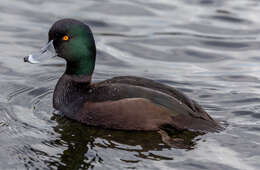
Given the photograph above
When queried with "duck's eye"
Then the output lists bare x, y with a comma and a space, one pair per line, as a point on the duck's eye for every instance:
65, 38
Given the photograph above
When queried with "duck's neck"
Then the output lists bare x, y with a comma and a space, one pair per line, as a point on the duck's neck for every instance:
69, 93
82, 67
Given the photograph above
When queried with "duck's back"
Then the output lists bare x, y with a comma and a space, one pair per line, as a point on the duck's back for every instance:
129, 95
151, 84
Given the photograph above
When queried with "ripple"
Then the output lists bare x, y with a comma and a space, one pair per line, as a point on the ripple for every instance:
238, 78
230, 19
225, 44
120, 9
17, 92
246, 100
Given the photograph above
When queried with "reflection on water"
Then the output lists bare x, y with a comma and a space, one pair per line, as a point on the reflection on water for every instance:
208, 49
82, 142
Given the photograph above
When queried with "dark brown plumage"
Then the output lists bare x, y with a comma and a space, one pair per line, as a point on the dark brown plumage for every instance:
130, 103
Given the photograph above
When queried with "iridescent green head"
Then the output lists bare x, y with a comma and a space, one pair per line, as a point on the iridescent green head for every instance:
72, 40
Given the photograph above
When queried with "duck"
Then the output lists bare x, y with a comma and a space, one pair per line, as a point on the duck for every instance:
121, 103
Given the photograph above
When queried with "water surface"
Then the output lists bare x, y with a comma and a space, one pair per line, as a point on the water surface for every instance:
208, 49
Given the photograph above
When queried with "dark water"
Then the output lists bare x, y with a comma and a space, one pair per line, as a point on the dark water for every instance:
208, 49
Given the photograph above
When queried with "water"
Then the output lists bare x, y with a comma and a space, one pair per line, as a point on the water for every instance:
208, 49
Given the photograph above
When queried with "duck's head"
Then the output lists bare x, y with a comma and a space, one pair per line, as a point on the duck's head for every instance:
72, 40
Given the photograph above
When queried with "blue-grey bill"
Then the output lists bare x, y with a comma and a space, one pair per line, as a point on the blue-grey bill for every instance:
48, 51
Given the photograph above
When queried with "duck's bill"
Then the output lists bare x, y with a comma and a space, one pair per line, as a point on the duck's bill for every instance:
48, 51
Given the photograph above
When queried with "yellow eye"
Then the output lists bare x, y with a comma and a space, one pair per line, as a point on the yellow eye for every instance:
65, 38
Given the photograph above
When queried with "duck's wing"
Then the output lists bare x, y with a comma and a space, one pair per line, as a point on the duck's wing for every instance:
151, 84
111, 96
